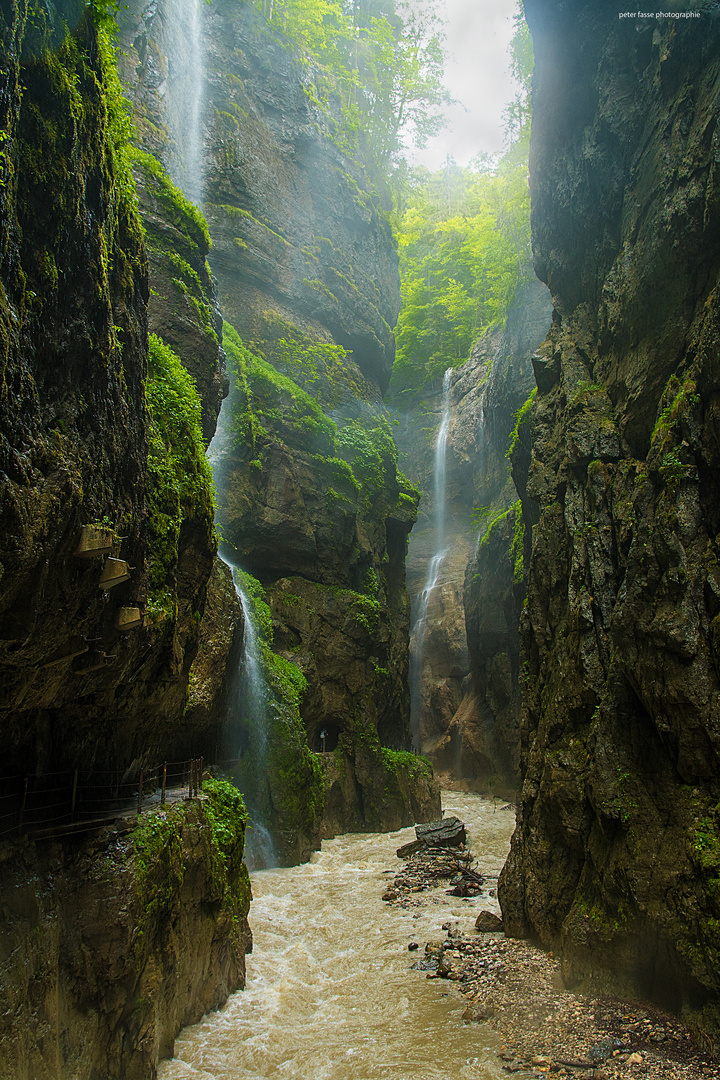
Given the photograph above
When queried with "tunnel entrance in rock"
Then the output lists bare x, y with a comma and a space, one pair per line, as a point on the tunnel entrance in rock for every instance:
325, 739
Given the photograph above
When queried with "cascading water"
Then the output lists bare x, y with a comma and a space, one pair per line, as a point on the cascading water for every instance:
248, 727
249, 712
419, 632
186, 78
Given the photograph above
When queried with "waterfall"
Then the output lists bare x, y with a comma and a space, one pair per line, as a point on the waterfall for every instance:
186, 77
248, 726
419, 632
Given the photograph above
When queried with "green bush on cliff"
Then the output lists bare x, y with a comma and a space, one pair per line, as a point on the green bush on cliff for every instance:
184, 215
180, 482
311, 363
352, 458
226, 812
370, 452
399, 761
522, 417
267, 398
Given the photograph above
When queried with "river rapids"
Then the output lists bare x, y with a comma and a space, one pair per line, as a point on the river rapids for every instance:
331, 993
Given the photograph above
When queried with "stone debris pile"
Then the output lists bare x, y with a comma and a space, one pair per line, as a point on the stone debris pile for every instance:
437, 855
518, 990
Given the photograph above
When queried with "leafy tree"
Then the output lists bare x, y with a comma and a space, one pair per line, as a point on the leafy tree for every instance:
518, 112
465, 244
382, 59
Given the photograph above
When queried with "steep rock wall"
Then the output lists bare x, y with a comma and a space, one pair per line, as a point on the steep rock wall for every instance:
615, 857
310, 500
468, 685
118, 942
97, 975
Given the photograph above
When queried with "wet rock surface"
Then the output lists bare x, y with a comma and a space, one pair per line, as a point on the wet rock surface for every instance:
517, 989
470, 703
136, 938
617, 849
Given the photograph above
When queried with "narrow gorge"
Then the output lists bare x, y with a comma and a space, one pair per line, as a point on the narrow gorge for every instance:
326, 480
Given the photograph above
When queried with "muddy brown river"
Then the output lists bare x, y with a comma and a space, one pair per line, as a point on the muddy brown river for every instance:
331, 993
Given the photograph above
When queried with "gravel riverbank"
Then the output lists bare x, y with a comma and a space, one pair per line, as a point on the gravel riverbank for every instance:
518, 991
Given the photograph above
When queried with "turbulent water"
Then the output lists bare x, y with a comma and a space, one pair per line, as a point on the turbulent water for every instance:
331, 994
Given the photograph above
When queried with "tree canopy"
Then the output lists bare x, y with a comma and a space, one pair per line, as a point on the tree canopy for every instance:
465, 245
383, 60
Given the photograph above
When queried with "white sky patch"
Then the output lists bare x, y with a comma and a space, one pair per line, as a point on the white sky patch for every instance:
477, 73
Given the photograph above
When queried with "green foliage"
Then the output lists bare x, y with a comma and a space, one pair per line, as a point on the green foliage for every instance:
304, 359
268, 398
374, 67
180, 482
517, 114
355, 458
121, 128
517, 546
400, 761
522, 417
184, 215
287, 783
226, 812
706, 843
672, 469
370, 452
159, 869
464, 248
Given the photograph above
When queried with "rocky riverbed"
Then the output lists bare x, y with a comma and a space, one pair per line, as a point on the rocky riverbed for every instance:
517, 990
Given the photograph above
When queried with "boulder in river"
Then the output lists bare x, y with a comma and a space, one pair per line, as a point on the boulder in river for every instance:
450, 832
487, 922
412, 848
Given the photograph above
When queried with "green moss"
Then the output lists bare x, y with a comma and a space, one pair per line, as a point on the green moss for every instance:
159, 871
370, 452
180, 485
585, 392
184, 215
517, 545
677, 399
237, 212
400, 761
267, 398
672, 469
226, 812
522, 417
288, 791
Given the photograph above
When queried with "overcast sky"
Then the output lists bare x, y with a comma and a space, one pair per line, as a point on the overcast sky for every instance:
477, 73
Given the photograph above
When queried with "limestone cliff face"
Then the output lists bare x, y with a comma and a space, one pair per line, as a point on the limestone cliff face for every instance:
469, 701
616, 855
117, 943
106, 546
310, 500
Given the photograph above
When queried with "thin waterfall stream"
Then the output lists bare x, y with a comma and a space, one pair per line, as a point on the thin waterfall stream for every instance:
419, 631
331, 992
250, 703
186, 75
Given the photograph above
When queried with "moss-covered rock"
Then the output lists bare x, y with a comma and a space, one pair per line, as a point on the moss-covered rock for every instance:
370, 787
266, 737
139, 931
613, 858
183, 309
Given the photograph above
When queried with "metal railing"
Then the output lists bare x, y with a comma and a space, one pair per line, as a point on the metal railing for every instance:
48, 804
